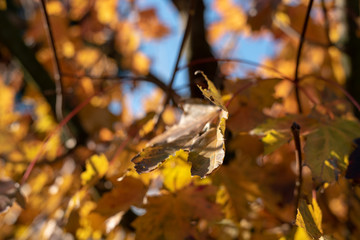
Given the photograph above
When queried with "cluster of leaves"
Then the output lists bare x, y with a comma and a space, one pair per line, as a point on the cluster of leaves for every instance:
162, 176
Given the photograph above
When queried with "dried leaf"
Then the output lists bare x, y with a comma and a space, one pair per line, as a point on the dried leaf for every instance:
190, 134
208, 152
211, 92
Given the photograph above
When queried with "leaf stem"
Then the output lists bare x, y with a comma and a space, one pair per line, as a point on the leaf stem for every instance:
295, 129
302, 39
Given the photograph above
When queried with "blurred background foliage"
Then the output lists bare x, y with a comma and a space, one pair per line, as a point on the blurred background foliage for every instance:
111, 66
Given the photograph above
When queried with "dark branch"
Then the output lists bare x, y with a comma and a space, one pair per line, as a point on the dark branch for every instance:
302, 39
57, 70
295, 129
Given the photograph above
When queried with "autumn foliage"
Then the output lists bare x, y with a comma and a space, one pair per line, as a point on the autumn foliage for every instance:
273, 154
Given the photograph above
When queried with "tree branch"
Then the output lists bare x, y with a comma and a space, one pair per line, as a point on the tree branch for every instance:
302, 38
295, 129
57, 70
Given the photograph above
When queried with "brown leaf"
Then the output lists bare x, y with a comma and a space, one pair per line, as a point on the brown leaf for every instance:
9, 191
129, 191
150, 25
175, 216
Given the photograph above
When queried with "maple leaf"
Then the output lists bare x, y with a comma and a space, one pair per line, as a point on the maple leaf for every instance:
175, 216
327, 146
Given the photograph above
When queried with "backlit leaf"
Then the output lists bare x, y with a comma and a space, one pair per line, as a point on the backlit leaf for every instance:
211, 92
190, 134
176, 171
208, 151
96, 167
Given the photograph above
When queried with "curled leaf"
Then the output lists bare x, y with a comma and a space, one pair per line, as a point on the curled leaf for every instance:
199, 131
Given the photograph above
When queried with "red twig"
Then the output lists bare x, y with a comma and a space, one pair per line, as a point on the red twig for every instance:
57, 129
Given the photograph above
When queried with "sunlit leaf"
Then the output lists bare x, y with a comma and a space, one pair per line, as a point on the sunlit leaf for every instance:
211, 92
309, 217
96, 167
176, 171
208, 151
188, 135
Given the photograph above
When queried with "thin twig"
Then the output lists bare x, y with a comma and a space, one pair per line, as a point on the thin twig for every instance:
191, 14
150, 78
295, 129
239, 60
57, 70
337, 85
302, 39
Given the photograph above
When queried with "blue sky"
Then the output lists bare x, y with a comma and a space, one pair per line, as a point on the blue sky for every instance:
163, 53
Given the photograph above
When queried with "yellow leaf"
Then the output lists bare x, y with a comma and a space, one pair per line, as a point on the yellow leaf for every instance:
141, 63
54, 8
176, 171
301, 234
3, 5
106, 11
96, 167
68, 49
309, 217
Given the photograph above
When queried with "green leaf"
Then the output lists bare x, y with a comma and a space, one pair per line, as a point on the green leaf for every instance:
327, 147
